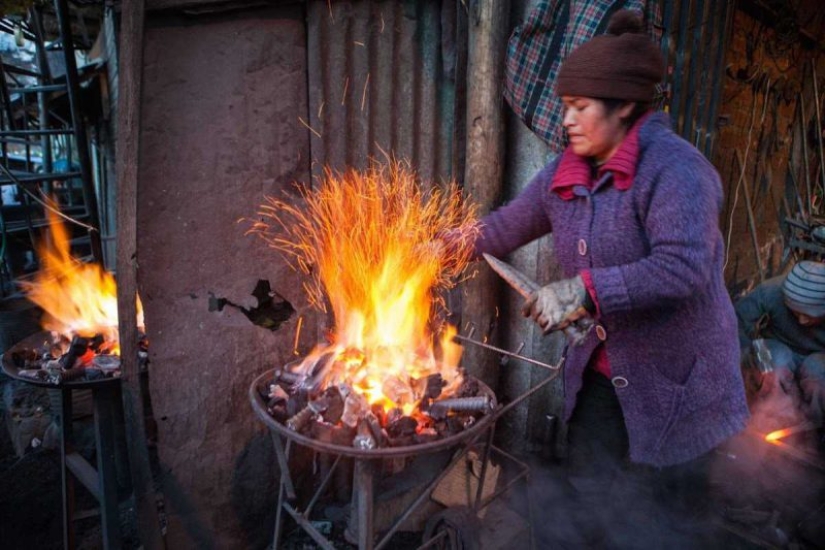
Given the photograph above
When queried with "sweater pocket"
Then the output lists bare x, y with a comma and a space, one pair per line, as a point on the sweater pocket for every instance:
701, 390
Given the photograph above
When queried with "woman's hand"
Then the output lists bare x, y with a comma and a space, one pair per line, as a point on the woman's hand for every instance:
557, 305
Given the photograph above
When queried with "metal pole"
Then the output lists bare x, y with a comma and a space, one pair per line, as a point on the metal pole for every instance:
73, 86
363, 487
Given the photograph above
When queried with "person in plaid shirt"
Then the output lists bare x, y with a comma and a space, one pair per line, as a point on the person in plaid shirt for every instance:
654, 386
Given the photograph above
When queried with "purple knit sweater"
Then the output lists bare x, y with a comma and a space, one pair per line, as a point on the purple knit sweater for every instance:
655, 253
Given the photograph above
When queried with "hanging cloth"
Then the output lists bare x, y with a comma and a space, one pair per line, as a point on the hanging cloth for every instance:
535, 50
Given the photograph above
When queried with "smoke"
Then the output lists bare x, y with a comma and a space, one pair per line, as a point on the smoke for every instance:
639, 509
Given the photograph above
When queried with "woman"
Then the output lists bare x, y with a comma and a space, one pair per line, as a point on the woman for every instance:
634, 211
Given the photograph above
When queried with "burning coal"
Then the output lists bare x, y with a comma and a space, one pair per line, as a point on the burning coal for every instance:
79, 301
367, 240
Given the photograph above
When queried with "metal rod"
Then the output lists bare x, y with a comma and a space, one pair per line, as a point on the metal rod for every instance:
307, 526
41, 132
485, 460
38, 89
363, 487
427, 491
818, 124
322, 487
805, 165
279, 512
716, 92
73, 84
462, 339
283, 464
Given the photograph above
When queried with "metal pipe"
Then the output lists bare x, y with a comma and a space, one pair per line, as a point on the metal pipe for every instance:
73, 86
363, 488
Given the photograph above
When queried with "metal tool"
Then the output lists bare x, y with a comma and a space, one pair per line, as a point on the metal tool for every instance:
526, 287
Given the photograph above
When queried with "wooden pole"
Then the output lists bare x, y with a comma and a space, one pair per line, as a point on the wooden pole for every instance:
128, 142
487, 32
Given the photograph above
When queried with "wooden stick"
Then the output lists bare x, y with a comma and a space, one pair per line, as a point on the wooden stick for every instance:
818, 126
805, 165
751, 222
128, 141
484, 168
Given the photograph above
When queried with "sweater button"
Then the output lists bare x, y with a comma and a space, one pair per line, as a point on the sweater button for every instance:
619, 382
582, 247
601, 334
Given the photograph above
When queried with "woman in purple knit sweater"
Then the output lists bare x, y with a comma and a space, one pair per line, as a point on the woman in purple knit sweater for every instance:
654, 385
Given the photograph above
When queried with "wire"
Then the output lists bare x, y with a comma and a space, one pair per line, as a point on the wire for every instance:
44, 204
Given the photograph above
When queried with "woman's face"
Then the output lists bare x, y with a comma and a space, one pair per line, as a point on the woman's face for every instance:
592, 131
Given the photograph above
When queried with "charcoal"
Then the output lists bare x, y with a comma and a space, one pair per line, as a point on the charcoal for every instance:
279, 412
93, 373
24, 358
404, 426
427, 435
95, 342
335, 405
468, 388
77, 349
379, 413
435, 383
355, 406
296, 403
364, 438
378, 433
436, 412
392, 415
303, 418
398, 390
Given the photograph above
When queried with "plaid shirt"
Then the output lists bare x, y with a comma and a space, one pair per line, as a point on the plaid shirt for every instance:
537, 47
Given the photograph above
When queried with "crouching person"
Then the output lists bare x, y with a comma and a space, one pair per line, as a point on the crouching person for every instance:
782, 335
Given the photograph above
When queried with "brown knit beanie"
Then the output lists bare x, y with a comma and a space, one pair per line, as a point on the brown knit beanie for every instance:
622, 64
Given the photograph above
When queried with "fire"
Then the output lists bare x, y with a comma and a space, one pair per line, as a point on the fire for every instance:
78, 298
775, 436
367, 241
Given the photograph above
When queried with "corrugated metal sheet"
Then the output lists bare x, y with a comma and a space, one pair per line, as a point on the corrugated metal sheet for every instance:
694, 39
381, 82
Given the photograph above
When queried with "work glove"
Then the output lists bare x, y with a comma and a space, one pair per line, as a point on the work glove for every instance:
557, 305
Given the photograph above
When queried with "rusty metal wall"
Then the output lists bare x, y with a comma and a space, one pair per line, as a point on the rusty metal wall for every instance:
694, 39
381, 82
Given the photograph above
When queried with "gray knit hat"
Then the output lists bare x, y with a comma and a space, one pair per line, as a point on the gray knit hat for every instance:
804, 288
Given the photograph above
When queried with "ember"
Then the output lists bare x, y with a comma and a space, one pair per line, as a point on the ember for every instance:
80, 305
366, 241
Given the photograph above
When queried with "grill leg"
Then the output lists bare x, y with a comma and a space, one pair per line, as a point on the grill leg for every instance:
363, 487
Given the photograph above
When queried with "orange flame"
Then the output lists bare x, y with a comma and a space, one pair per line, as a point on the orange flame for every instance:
775, 436
78, 298
368, 241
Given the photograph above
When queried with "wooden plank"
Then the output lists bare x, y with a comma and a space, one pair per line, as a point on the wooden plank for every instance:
128, 141
484, 167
